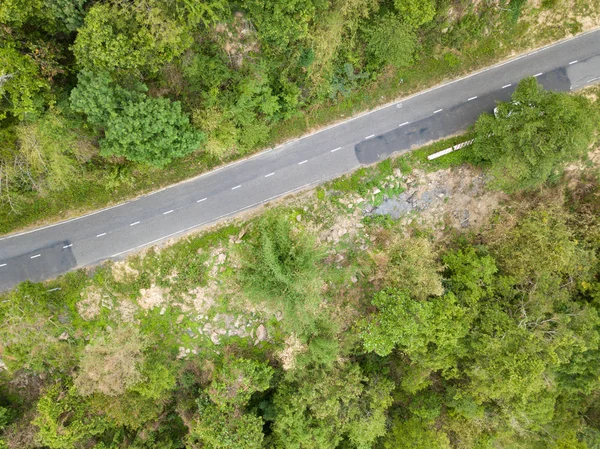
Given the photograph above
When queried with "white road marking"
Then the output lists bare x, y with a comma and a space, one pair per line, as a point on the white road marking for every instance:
506, 85
217, 218
573, 62
335, 149
167, 212
538, 74
371, 136
472, 98
67, 246
37, 255
303, 162
270, 174
438, 110
405, 123
2, 265
101, 235
134, 223
236, 187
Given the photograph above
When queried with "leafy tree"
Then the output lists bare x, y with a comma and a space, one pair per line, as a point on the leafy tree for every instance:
118, 38
530, 137
415, 12
142, 129
24, 92
237, 380
391, 41
64, 421
414, 433
281, 266
321, 408
222, 428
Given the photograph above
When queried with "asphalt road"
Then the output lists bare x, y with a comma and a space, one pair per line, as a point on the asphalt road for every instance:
46, 252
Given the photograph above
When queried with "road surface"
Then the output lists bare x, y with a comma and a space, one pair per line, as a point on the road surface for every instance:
49, 251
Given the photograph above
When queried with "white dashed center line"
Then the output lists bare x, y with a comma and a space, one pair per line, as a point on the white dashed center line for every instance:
405, 123
370, 137
472, 98
101, 235
167, 212
236, 187
335, 149
2, 265
538, 74
303, 162
67, 246
270, 174
37, 255
134, 223
199, 201
506, 85
438, 110
573, 62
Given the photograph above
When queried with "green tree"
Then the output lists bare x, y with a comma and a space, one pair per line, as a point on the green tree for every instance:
414, 433
321, 408
391, 41
116, 37
23, 91
530, 137
415, 12
64, 421
237, 380
153, 131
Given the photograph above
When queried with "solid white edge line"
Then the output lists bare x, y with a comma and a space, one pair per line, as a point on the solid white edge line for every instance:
215, 219
167, 212
2, 265
303, 162
538, 74
506, 85
573, 62
101, 235
438, 110
37, 255
336, 149
236, 187
370, 137
333, 125
270, 174
472, 98
134, 223
405, 123
199, 201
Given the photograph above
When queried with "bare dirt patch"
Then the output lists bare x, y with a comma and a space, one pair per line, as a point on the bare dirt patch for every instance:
91, 303
152, 297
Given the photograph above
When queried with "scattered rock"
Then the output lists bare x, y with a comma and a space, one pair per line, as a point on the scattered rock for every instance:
298, 217
64, 336
279, 315
221, 258
163, 310
353, 279
261, 333
180, 318
214, 338
397, 173
376, 191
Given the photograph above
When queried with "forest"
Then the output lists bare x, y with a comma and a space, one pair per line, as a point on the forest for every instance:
471, 322
104, 100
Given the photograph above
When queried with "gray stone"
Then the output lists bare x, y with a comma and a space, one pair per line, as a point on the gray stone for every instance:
261, 333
